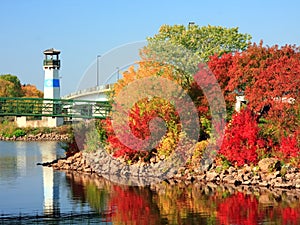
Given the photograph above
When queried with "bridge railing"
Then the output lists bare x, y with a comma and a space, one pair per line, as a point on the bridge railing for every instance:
39, 107
102, 88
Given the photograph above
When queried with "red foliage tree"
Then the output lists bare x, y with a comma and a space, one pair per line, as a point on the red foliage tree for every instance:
220, 67
269, 76
139, 118
242, 142
289, 149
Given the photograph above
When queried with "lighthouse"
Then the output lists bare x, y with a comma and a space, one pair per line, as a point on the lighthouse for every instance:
51, 67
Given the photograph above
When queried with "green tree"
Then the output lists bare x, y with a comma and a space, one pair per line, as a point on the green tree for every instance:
10, 86
185, 47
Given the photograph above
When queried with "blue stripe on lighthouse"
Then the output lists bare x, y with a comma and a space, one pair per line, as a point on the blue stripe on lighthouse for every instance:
51, 83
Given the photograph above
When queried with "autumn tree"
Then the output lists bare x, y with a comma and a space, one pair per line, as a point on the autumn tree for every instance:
10, 86
5, 88
187, 47
242, 144
142, 112
269, 77
162, 100
30, 91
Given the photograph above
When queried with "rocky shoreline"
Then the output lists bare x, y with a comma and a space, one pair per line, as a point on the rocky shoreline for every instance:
38, 137
268, 174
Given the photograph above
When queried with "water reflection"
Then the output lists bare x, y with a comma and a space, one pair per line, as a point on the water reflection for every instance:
117, 204
50, 180
25, 187
192, 204
8, 164
44, 196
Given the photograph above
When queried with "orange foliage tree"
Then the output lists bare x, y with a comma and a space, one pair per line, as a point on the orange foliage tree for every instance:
146, 69
10, 86
31, 91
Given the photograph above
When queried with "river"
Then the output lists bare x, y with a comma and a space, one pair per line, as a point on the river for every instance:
32, 194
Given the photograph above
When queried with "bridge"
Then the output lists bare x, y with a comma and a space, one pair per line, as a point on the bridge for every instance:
39, 107
98, 93
90, 103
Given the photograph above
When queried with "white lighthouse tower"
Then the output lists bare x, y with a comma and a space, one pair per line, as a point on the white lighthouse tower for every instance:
51, 67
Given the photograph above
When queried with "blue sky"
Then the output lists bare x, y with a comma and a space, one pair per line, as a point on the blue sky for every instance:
84, 29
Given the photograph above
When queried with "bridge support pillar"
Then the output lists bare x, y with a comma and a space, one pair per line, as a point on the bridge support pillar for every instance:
44, 122
21, 121
54, 122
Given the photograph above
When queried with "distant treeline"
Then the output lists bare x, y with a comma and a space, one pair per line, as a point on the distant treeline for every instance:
10, 86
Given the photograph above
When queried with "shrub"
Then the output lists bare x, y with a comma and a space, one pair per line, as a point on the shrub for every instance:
198, 152
7, 128
115, 146
77, 138
139, 121
19, 133
92, 141
241, 141
289, 149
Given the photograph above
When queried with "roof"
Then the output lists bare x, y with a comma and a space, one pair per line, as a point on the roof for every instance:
51, 51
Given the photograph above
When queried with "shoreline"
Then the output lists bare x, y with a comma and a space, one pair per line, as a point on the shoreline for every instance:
53, 136
268, 174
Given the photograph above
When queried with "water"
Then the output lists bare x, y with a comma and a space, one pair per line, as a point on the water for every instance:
28, 190
31, 194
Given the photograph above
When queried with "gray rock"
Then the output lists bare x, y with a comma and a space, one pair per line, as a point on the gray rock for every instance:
297, 183
263, 184
269, 165
201, 177
231, 170
212, 176
256, 179
290, 176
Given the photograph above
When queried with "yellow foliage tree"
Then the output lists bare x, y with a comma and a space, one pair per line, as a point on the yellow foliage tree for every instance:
146, 69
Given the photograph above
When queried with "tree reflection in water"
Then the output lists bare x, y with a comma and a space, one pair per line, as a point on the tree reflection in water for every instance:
185, 204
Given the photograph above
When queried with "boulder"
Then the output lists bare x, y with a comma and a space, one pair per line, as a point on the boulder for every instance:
269, 165
229, 179
211, 176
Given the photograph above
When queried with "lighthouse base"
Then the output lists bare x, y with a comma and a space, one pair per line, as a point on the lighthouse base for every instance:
44, 122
